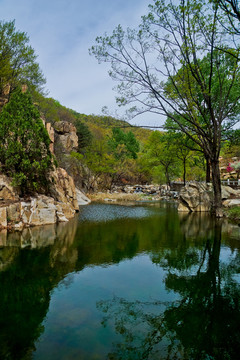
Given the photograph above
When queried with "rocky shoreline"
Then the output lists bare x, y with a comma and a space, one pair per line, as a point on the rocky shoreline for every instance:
60, 206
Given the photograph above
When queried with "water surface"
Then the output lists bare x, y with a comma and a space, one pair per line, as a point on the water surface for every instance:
121, 282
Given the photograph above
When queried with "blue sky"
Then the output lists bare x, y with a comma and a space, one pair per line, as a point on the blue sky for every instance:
61, 32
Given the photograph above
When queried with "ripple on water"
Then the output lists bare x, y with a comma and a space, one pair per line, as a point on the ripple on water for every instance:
107, 212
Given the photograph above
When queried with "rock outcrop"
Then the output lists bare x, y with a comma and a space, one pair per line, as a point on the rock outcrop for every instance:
66, 137
63, 188
198, 197
51, 133
39, 210
7, 192
60, 206
63, 200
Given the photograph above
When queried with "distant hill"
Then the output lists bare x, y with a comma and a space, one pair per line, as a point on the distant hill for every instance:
99, 125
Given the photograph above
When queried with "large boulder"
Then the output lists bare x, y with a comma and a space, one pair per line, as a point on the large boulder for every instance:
38, 211
228, 192
229, 203
195, 197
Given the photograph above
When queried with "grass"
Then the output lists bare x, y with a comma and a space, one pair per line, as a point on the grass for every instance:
233, 213
115, 197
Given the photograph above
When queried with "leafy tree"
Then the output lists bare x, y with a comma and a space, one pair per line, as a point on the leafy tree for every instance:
186, 146
231, 10
84, 135
24, 144
204, 92
123, 144
161, 155
17, 59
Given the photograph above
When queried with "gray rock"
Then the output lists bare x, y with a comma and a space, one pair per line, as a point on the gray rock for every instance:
81, 198
231, 203
195, 197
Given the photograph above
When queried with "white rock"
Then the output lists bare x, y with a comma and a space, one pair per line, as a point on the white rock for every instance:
231, 203
81, 198
3, 216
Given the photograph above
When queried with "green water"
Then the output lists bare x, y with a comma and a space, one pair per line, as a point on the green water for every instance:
122, 282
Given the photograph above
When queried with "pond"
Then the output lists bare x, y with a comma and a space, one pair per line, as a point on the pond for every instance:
122, 282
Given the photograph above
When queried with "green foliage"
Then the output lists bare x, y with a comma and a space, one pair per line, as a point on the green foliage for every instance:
17, 59
52, 110
24, 144
160, 157
84, 135
123, 145
233, 213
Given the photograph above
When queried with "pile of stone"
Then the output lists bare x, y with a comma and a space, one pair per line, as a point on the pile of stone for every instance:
158, 192
60, 206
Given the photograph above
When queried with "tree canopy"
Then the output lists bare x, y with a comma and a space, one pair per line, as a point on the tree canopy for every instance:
18, 63
180, 63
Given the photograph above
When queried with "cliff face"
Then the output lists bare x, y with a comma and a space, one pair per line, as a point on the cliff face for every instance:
66, 139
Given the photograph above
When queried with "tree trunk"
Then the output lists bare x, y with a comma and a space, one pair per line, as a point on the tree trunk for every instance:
208, 170
216, 182
184, 171
167, 177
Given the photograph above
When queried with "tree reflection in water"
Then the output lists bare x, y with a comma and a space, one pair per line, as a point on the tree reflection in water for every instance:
203, 324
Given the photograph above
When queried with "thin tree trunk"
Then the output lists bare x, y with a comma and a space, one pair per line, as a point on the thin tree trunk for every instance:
208, 170
216, 181
184, 171
167, 177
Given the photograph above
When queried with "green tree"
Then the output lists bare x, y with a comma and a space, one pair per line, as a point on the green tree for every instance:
160, 154
232, 12
84, 135
24, 144
17, 59
205, 93
123, 144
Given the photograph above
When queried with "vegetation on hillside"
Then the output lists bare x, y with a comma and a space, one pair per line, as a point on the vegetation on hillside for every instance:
24, 144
